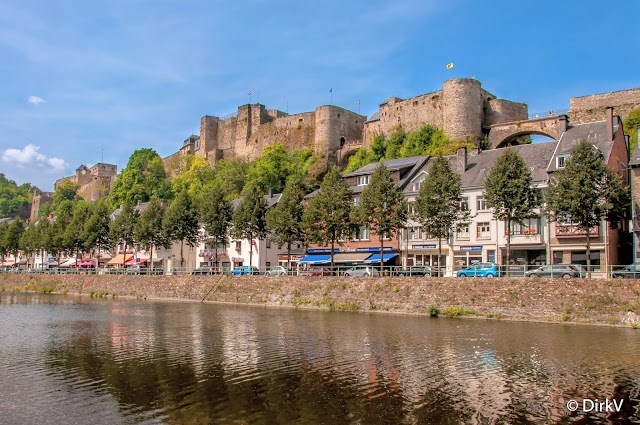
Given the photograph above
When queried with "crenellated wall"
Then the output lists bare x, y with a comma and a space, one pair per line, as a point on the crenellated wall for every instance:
254, 128
594, 107
462, 109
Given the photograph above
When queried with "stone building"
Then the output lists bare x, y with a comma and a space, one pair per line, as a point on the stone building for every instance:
94, 183
463, 109
246, 133
39, 199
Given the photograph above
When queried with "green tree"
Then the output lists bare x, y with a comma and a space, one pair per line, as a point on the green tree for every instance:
42, 229
249, 218
216, 214
509, 192
270, 170
284, 221
194, 176
28, 242
74, 232
122, 229
4, 226
437, 206
12, 238
181, 222
96, 233
586, 192
143, 178
64, 197
382, 207
13, 197
630, 125
54, 237
326, 219
230, 177
149, 231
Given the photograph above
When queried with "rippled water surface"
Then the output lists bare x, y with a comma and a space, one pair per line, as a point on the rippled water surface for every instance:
66, 359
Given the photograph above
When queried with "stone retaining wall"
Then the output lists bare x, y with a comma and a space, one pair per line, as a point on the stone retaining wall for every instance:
552, 300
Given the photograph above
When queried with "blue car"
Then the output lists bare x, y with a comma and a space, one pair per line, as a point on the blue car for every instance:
480, 270
244, 270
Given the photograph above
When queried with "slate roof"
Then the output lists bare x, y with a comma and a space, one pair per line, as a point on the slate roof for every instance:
536, 156
407, 167
634, 161
595, 133
374, 117
271, 200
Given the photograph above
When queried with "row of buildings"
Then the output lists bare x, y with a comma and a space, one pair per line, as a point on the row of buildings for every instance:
538, 241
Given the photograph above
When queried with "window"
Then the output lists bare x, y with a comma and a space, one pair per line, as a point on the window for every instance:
483, 230
238, 245
360, 233
363, 180
565, 220
462, 231
464, 204
528, 227
415, 233
411, 208
481, 205
268, 264
415, 186
355, 202
268, 243
561, 161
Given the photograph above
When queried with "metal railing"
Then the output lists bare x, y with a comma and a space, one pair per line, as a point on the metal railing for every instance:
368, 270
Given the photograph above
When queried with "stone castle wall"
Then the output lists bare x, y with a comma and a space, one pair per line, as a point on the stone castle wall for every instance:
594, 107
462, 109
254, 128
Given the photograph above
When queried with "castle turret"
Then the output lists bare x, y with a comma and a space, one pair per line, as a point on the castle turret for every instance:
462, 109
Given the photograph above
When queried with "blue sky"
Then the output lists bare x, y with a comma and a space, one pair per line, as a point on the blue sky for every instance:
127, 74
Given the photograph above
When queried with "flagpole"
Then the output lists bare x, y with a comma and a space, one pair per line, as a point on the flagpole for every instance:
331, 98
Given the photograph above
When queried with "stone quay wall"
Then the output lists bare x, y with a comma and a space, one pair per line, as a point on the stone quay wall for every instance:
602, 302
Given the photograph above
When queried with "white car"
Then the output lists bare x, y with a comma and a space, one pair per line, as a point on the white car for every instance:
277, 271
361, 271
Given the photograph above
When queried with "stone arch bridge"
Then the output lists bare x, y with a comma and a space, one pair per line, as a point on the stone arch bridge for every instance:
504, 134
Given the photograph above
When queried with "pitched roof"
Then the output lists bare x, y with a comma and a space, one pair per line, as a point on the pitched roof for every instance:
595, 133
270, 199
536, 156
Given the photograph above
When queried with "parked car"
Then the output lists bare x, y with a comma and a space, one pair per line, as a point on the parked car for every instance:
479, 270
277, 271
317, 271
204, 270
557, 270
418, 271
629, 272
136, 269
361, 271
245, 270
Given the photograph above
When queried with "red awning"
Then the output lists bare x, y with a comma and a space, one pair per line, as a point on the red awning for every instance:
119, 259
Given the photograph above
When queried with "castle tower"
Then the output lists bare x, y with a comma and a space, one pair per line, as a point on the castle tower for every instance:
208, 144
462, 113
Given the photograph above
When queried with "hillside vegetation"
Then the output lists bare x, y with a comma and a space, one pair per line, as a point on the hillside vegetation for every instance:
400, 144
12, 196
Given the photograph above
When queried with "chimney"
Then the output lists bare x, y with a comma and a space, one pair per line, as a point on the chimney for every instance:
462, 159
610, 122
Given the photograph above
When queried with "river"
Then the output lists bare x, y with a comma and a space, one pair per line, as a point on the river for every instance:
71, 359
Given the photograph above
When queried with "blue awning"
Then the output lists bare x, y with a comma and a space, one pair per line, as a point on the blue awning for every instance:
315, 259
375, 258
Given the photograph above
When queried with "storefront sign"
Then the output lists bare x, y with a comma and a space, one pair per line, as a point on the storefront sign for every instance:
423, 246
321, 251
470, 248
386, 249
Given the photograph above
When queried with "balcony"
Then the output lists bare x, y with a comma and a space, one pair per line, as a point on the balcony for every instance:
575, 232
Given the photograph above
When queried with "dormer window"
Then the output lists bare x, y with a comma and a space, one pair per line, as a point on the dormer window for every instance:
363, 180
560, 162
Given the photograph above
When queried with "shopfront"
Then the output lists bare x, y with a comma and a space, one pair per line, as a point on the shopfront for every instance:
464, 256
426, 255
531, 257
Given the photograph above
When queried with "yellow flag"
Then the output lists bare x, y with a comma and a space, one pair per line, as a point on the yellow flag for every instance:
450, 65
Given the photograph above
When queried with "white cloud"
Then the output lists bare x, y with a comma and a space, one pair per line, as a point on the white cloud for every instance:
35, 100
30, 157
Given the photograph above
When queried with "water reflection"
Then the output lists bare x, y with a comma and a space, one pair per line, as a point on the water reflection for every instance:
153, 362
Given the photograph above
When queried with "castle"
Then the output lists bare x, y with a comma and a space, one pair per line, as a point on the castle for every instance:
462, 109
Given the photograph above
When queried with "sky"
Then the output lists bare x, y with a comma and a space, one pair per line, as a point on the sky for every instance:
80, 79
